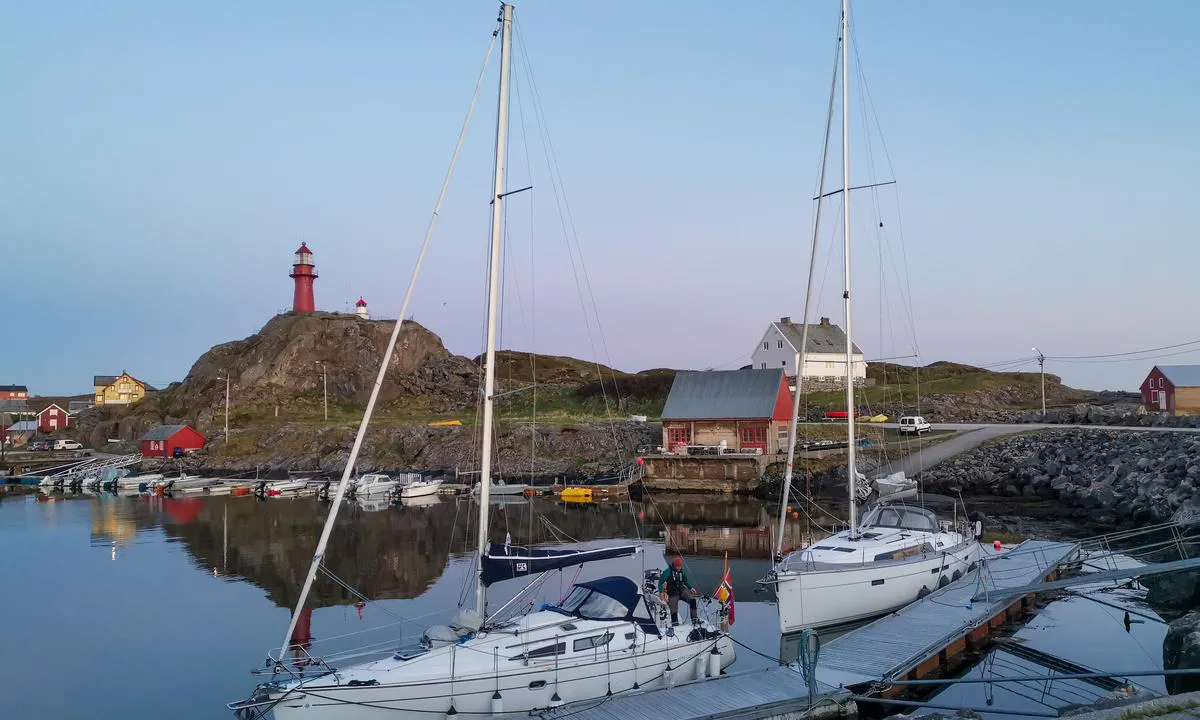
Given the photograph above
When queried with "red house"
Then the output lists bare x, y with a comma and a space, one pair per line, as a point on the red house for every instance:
1172, 389
171, 441
734, 410
52, 418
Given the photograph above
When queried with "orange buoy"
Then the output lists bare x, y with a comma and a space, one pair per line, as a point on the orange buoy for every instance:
238, 491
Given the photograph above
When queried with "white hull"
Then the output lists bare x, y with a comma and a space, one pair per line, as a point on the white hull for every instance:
420, 687
498, 489
376, 490
832, 596
133, 482
420, 489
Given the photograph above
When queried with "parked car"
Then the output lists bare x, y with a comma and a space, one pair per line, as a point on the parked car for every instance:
38, 445
914, 424
68, 445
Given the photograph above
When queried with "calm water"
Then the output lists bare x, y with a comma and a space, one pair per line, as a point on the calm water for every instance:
137, 607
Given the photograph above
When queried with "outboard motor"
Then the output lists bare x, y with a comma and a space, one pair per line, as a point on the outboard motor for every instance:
323, 493
260, 489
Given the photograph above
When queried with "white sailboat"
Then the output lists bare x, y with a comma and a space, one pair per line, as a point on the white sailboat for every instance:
897, 553
593, 644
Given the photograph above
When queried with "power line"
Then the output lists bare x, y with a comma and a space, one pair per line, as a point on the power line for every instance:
1123, 354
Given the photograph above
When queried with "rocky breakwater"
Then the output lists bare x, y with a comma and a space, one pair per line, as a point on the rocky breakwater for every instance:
1120, 476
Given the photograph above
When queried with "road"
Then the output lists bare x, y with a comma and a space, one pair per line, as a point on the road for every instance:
971, 435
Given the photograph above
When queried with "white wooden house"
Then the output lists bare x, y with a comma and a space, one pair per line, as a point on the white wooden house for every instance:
825, 360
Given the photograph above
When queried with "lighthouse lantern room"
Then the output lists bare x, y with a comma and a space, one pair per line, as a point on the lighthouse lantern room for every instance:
360, 309
303, 273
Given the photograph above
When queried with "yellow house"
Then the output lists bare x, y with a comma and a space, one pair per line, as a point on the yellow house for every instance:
122, 389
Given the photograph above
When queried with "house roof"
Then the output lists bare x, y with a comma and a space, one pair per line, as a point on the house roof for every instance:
823, 337
52, 405
14, 406
163, 432
1181, 375
106, 380
14, 388
723, 395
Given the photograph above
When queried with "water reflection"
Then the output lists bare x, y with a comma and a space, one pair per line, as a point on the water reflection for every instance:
391, 551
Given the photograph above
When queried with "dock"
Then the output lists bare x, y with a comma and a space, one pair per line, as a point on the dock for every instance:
910, 644
915, 641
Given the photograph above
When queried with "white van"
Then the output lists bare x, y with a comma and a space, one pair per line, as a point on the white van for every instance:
913, 424
68, 445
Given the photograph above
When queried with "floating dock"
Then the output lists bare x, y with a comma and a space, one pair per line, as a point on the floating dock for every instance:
910, 644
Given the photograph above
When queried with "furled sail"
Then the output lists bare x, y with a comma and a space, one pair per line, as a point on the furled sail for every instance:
505, 562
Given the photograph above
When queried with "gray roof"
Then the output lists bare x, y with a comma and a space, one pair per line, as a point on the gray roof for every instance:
104, 380
163, 432
1181, 375
14, 406
823, 337
723, 395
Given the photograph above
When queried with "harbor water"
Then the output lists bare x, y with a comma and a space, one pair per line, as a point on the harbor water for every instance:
145, 607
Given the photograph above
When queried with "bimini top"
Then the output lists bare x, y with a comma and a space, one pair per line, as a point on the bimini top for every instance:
610, 598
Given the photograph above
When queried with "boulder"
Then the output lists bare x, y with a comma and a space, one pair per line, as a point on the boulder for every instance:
1181, 650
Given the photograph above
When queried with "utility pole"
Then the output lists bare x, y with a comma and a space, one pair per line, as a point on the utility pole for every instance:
1042, 370
226, 378
325, 388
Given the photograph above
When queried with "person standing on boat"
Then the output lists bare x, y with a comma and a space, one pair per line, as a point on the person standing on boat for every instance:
675, 584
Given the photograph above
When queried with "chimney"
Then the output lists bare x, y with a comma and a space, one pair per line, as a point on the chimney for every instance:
824, 322
785, 320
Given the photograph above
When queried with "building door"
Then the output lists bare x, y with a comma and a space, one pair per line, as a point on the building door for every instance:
1162, 399
754, 436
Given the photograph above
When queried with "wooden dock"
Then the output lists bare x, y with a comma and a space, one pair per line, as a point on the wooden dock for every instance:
909, 644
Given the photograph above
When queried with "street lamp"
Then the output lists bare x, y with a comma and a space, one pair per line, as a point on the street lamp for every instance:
325, 389
1042, 369
226, 379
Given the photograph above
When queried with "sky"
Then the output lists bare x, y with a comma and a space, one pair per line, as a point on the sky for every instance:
160, 162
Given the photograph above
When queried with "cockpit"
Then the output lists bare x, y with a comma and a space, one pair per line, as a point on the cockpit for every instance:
901, 517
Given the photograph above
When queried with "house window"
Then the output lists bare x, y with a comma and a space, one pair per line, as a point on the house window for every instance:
828, 365
779, 344
766, 345
1160, 382
679, 436
1153, 396
783, 363
764, 366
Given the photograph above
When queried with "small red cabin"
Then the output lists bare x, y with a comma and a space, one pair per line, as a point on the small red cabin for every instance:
171, 441
53, 418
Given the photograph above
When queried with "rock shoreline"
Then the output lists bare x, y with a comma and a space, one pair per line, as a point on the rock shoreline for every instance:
1114, 476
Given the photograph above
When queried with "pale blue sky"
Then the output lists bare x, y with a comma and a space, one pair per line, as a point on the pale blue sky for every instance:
161, 161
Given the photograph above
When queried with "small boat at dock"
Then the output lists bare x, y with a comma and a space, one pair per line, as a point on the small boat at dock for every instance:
421, 488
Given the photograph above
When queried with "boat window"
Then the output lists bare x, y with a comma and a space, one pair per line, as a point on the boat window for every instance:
594, 641
542, 652
601, 607
906, 518
575, 599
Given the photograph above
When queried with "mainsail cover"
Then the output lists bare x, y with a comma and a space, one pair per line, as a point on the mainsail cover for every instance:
505, 562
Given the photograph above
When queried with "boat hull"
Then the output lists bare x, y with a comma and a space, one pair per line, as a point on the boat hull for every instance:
523, 690
826, 598
421, 490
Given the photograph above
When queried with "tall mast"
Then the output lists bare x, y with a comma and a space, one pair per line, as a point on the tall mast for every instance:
851, 472
489, 370
801, 356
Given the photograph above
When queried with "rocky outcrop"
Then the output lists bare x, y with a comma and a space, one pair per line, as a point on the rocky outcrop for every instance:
1119, 475
1121, 414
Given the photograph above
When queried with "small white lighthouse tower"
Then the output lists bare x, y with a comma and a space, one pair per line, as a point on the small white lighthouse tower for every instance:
360, 309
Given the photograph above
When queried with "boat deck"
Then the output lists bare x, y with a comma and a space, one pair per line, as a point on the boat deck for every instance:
897, 643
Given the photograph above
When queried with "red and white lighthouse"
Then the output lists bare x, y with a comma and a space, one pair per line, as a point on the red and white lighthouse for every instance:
360, 309
303, 273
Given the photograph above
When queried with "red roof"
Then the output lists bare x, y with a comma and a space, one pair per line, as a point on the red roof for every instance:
304, 249
361, 302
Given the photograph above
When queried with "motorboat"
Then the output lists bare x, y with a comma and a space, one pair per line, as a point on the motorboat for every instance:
420, 488
135, 482
375, 485
502, 488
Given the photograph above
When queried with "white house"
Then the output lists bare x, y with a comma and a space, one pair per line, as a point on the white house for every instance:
825, 359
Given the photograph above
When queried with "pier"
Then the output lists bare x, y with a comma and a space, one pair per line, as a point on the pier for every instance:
915, 642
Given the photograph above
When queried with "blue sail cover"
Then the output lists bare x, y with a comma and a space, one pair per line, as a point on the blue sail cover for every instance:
505, 562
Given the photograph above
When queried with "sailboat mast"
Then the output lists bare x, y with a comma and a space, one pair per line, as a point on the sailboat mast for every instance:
851, 472
489, 370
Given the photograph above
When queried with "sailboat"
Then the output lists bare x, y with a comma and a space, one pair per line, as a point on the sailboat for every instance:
605, 637
897, 552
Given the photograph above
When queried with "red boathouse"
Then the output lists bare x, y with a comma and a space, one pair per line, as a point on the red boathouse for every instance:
171, 441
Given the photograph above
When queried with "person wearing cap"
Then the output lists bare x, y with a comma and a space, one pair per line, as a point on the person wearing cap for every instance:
674, 584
